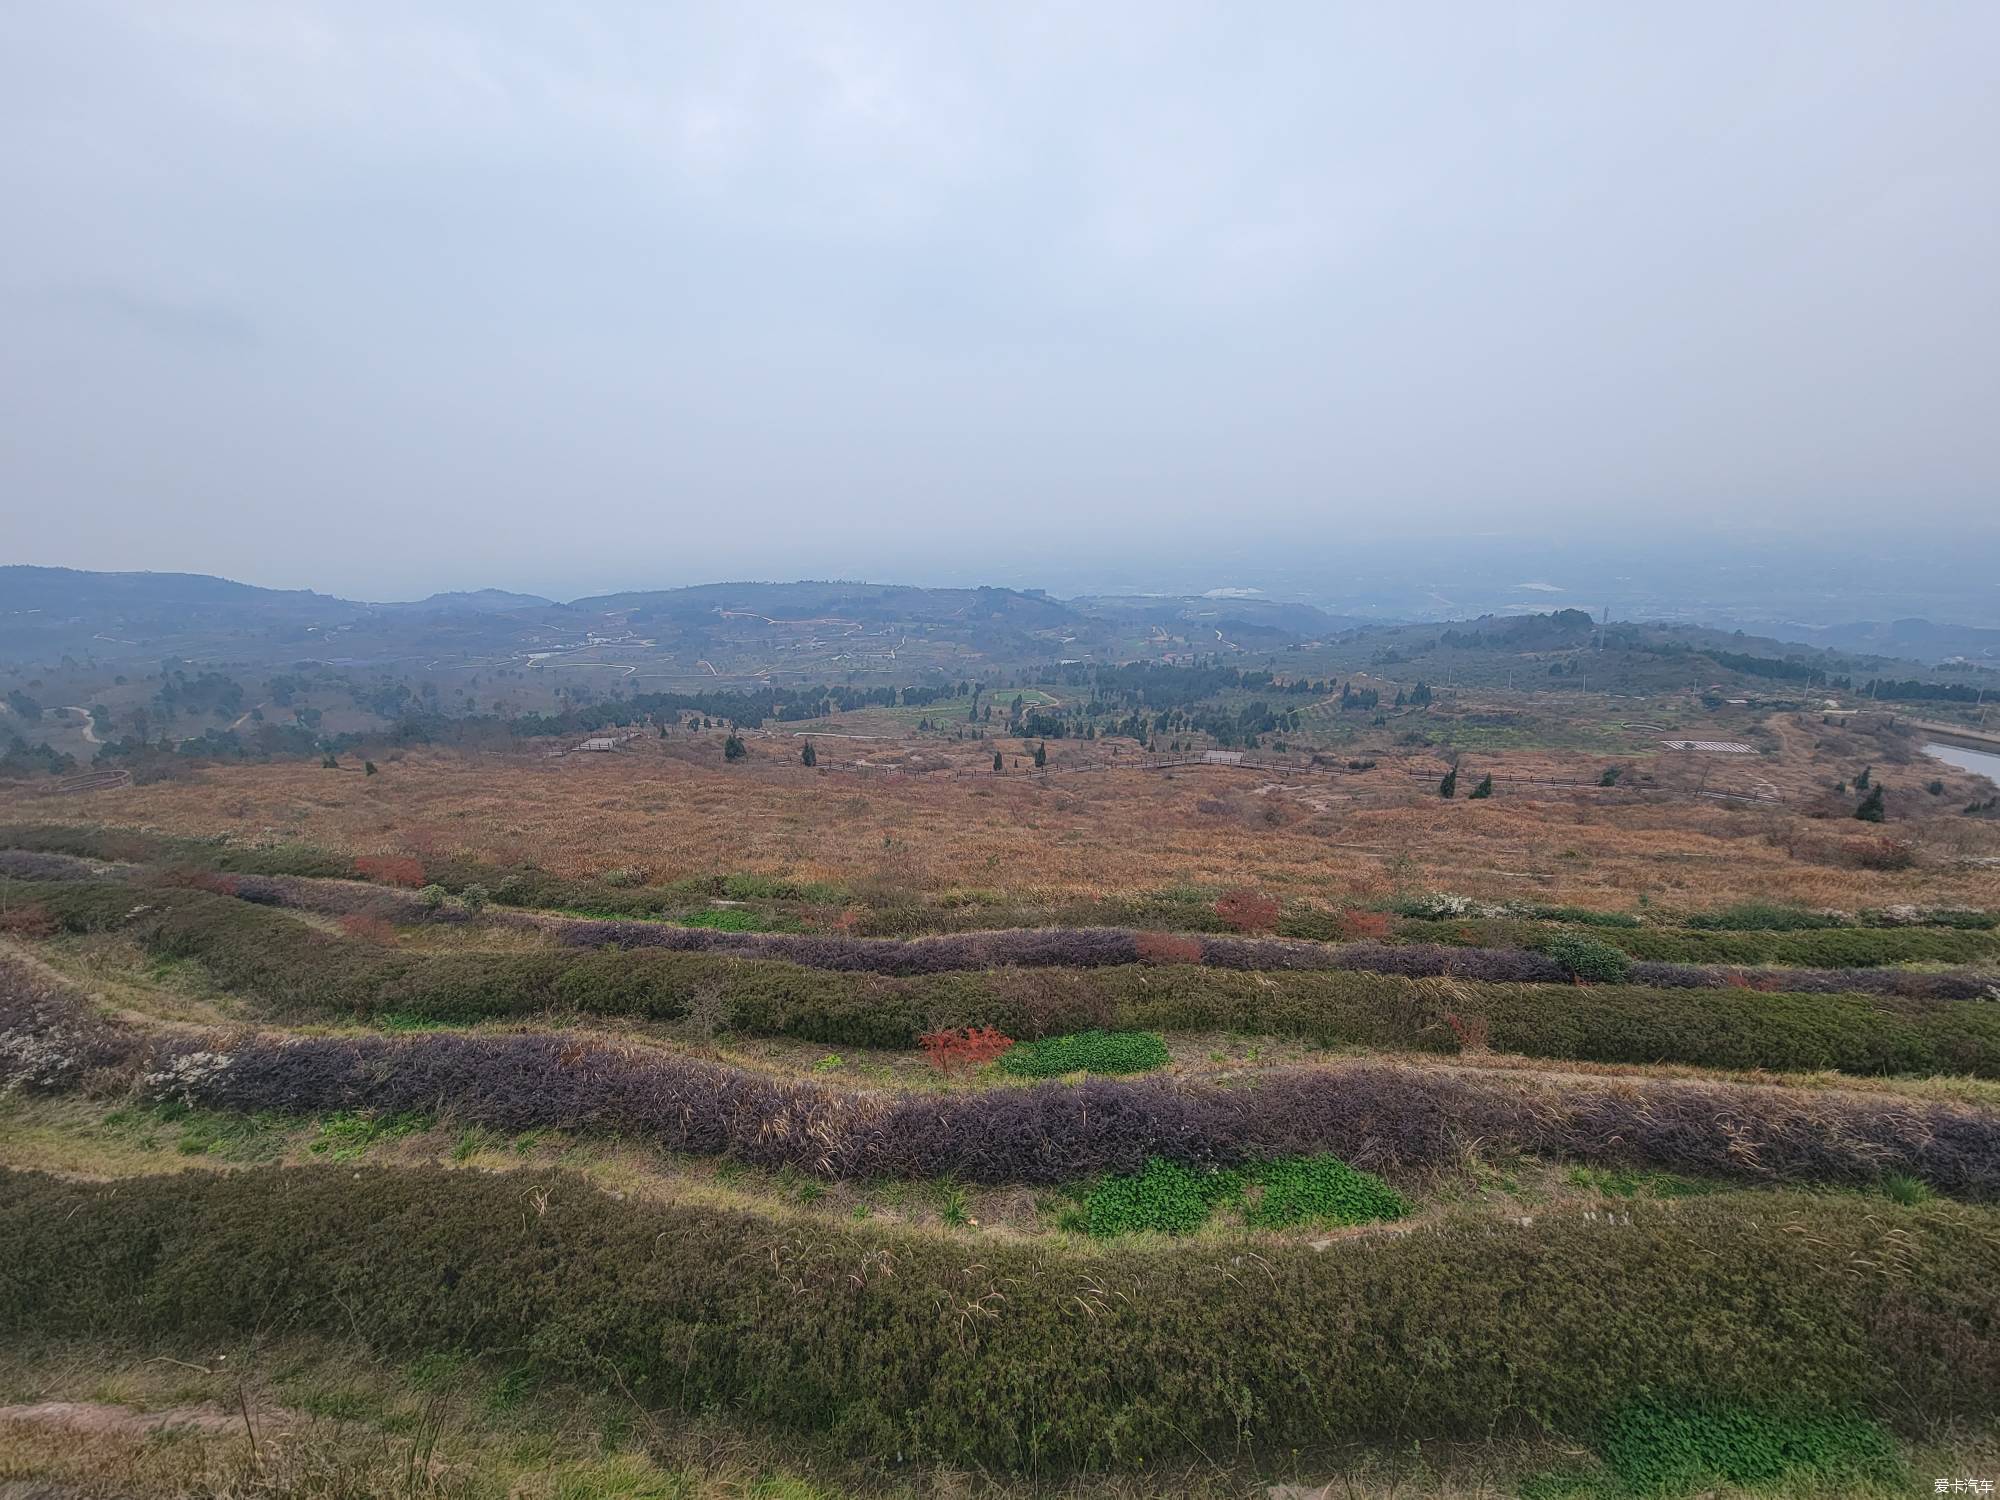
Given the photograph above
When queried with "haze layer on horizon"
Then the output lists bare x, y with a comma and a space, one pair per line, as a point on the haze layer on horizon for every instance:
378, 300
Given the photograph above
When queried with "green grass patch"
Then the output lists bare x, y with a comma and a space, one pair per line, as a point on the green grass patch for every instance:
1169, 1198
202, 1132
735, 919
1166, 1197
1629, 1182
347, 1137
1654, 1448
1320, 1190
1086, 1052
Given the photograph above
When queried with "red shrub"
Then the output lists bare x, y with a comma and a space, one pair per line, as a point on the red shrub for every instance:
1247, 910
1364, 926
368, 927
1166, 948
1470, 1031
963, 1047
390, 869
213, 881
28, 922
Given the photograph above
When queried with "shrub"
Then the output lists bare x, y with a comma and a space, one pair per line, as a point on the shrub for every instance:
1885, 854
1758, 916
31, 921
475, 898
432, 897
1166, 948
1311, 924
963, 1048
1247, 910
1375, 999
1104, 1358
368, 927
1087, 1052
1587, 958
390, 869
215, 882
1357, 925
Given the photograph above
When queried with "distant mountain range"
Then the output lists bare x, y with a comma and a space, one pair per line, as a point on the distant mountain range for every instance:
46, 613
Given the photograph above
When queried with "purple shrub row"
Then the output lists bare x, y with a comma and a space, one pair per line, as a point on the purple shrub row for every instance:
1102, 947
23, 864
1378, 1117
50, 1039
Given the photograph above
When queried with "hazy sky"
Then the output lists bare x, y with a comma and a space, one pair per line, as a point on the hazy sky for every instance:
380, 298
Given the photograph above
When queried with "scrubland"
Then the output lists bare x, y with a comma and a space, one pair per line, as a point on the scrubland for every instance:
638, 1124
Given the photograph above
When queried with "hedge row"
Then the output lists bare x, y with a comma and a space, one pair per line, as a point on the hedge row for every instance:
1823, 948
1038, 1356
1102, 947
50, 1039
1376, 1116
293, 967
1672, 937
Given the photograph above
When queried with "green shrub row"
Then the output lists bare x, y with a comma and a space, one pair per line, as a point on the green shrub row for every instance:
1038, 1356
293, 968
1086, 1052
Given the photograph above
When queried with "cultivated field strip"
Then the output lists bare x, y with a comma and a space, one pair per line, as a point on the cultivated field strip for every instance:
1861, 960
289, 969
1378, 1116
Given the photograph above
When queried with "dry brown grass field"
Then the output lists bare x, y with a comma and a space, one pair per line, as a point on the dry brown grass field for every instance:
928, 816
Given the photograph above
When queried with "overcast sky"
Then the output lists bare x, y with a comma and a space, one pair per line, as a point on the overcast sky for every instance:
380, 298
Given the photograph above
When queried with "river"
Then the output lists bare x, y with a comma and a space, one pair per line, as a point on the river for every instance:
1979, 762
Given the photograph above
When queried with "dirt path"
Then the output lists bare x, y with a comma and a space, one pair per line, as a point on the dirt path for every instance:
98, 1418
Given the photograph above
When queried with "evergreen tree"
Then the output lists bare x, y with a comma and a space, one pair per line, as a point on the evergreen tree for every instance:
1861, 781
996, 760
808, 756
732, 748
1485, 787
1449, 786
1041, 755
1870, 810
368, 768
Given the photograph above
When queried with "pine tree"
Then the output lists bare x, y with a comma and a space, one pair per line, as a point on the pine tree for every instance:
808, 756
996, 760
1870, 810
1449, 786
1485, 787
732, 749
1861, 781
368, 768
1041, 755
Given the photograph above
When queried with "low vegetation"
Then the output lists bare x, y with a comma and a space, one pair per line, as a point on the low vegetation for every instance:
1010, 1360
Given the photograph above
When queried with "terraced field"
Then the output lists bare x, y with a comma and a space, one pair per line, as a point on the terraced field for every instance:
558, 1185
